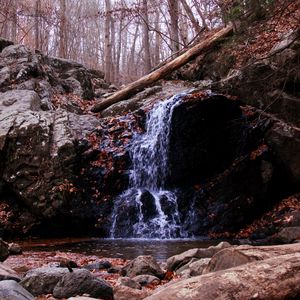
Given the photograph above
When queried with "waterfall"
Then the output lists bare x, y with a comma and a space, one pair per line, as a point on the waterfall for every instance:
147, 209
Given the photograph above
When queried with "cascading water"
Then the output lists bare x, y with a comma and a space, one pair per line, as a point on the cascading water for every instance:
151, 210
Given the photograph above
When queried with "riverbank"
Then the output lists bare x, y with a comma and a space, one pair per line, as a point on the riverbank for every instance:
64, 274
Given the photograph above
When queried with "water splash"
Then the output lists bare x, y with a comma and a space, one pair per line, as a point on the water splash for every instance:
147, 209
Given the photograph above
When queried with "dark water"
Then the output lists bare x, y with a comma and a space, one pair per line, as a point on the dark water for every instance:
120, 248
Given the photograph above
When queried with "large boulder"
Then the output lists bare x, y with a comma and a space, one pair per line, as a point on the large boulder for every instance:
82, 282
11, 290
42, 281
250, 281
143, 265
176, 261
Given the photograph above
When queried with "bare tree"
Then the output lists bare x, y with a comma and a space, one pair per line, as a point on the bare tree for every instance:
62, 29
146, 43
174, 31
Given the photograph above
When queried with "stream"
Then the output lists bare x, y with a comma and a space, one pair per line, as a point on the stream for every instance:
118, 248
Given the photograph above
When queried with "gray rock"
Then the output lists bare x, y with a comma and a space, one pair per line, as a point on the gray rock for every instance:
131, 104
285, 143
197, 267
288, 234
103, 264
142, 265
127, 281
4, 250
6, 273
126, 293
179, 260
146, 279
82, 282
11, 290
42, 280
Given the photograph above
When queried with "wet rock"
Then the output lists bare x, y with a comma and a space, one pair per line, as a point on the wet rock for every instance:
176, 261
125, 293
145, 280
42, 280
6, 273
11, 290
4, 250
127, 281
82, 282
143, 265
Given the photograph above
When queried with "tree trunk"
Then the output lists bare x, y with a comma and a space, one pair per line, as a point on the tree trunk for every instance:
146, 43
62, 29
37, 9
174, 15
107, 47
162, 72
191, 16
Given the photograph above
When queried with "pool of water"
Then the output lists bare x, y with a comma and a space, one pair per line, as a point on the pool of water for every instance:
119, 248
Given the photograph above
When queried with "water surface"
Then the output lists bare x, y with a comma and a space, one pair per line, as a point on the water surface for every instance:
119, 248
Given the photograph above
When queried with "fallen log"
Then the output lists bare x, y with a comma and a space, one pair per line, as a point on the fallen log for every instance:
276, 278
160, 73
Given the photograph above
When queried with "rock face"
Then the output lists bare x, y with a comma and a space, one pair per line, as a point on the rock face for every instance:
46, 154
251, 281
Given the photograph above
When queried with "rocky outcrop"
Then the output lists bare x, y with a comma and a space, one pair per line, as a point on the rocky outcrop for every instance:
177, 261
46, 151
250, 281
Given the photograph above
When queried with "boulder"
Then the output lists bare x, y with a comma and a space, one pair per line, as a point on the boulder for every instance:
288, 234
42, 280
82, 282
11, 290
14, 249
176, 261
145, 280
239, 255
284, 140
4, 250
127, 281
6, 273
4, 43
103, 264
125, 293
143, 265
273, 278
196, 268
81, 298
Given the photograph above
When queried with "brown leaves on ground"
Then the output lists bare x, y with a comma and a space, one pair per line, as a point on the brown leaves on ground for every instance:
279, 216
